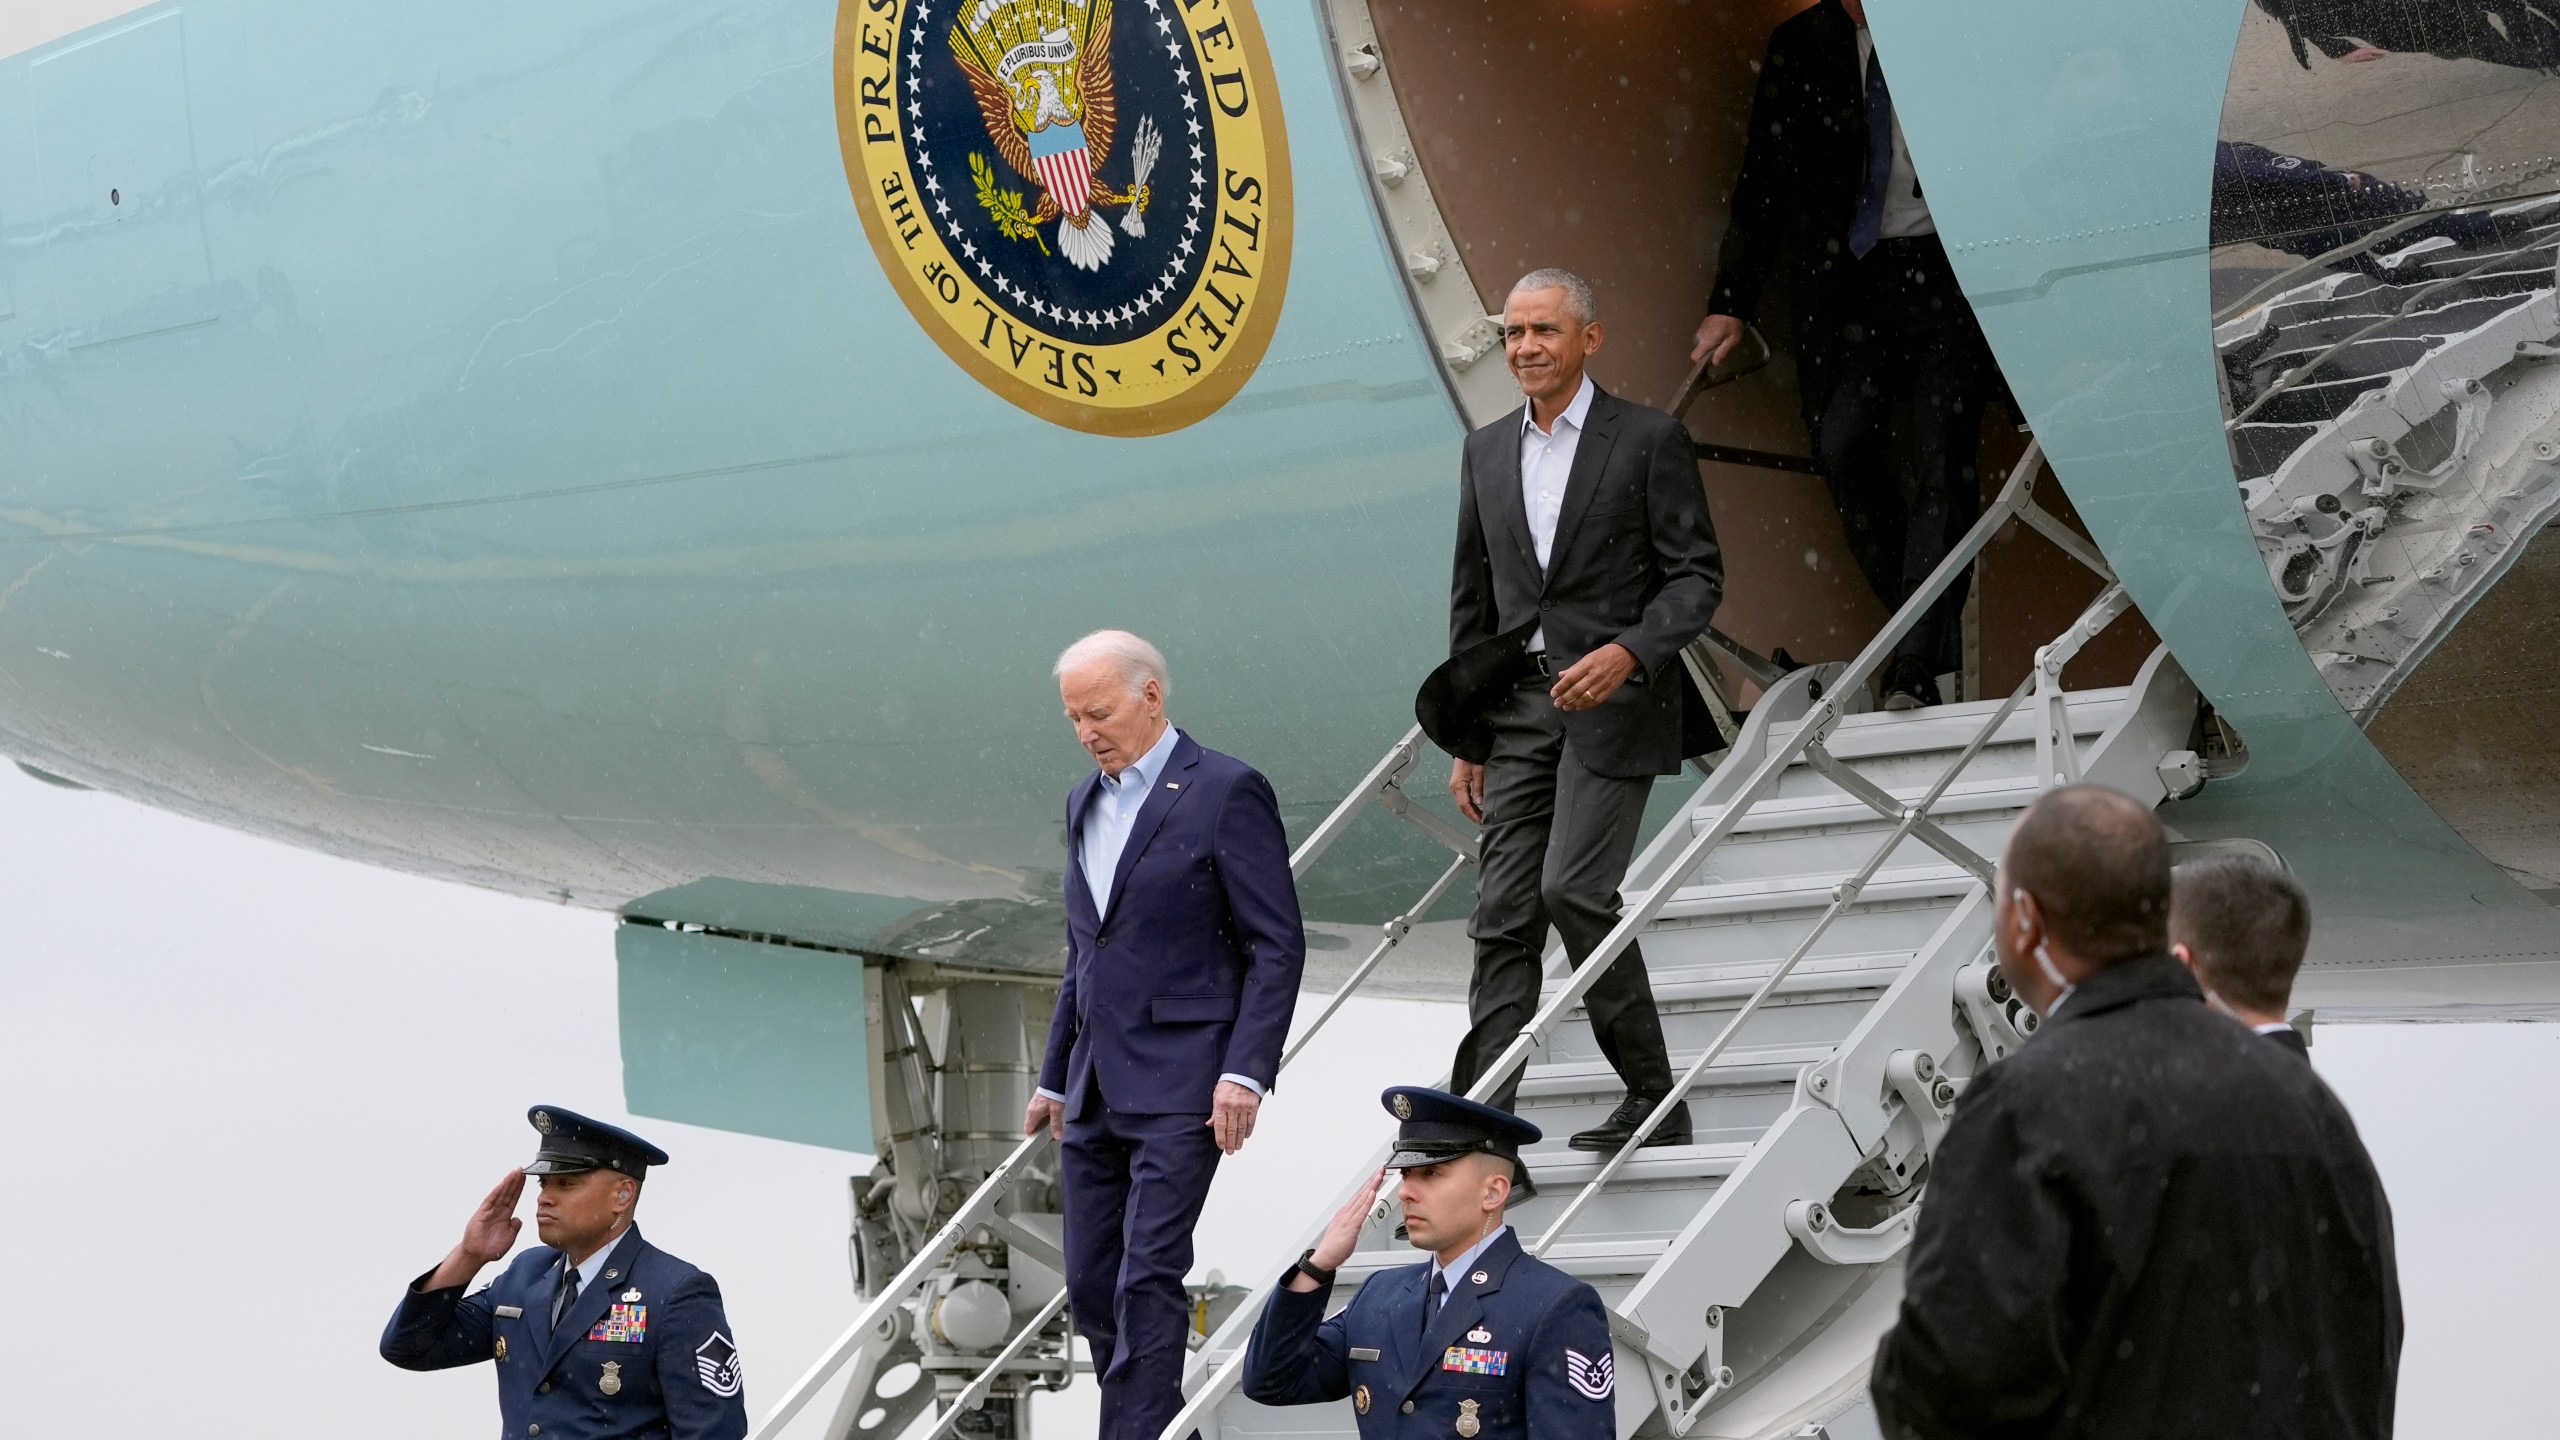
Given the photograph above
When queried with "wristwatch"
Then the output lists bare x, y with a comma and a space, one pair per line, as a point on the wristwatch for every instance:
1308, 1267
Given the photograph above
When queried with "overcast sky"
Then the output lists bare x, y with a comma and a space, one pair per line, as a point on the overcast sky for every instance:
254, 1091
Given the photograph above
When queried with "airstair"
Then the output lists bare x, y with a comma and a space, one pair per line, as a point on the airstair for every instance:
1816, 924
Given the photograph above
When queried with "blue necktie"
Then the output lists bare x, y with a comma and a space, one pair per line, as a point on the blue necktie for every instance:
1870, 223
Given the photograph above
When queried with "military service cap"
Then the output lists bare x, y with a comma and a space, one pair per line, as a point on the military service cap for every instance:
1434, 1125
572, 1143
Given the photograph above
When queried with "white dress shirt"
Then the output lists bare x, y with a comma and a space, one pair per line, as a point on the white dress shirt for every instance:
1456, 1270
1546, 463
1113, 813
1110, 816
588, 1269
2273, 1027
1905, 213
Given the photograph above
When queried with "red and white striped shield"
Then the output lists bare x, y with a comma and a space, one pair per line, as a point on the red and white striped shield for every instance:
1068, 174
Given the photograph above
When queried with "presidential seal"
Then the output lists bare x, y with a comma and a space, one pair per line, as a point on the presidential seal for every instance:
1086, 203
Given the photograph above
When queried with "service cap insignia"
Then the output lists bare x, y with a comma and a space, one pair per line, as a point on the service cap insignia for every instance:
1402, 1106
1089, 211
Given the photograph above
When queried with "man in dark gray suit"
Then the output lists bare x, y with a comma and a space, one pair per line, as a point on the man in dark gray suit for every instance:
1585, 562
2241, 926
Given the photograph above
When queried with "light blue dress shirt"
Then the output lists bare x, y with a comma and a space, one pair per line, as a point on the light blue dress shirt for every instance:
1456, 1270
1112, 814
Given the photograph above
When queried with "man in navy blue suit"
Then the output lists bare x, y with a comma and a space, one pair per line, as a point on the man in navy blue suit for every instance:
597, 1334
1183, 953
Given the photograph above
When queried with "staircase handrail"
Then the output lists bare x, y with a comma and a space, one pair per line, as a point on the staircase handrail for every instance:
1381, 786
2015, 501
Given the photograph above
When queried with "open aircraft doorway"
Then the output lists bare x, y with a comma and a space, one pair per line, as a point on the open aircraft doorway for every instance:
1607, 139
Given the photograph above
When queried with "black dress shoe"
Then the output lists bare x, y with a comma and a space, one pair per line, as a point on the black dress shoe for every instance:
1908, 685
1613, 1133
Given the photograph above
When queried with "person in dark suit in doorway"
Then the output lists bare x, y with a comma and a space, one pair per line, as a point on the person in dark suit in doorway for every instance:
1828, 200
1585, 563
1184, 948
2241, 926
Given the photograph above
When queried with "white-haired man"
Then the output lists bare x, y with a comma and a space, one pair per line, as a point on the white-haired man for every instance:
1585, 563
1184, 948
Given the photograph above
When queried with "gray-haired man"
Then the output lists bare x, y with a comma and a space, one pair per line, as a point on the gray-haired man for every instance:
1585, 562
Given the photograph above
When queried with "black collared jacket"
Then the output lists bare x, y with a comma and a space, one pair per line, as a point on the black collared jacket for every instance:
2147, 1222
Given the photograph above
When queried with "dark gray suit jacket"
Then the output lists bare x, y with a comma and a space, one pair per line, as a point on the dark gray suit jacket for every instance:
1634, 562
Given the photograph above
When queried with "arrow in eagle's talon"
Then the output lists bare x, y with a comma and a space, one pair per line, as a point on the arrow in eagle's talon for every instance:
1143, 149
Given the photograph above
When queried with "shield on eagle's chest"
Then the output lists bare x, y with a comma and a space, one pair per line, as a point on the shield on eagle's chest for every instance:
1058, 155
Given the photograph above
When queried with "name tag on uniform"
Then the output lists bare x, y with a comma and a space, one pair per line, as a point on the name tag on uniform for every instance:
1467, 1360
1363, 1352
510, 1312
623, 1323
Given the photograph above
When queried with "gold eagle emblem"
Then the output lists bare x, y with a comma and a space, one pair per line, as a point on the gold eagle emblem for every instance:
1041, 72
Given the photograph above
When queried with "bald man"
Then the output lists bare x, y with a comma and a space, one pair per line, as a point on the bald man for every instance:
2146, 1221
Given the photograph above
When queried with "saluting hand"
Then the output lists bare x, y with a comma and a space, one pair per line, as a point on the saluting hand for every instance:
488, 1235
1344, 1231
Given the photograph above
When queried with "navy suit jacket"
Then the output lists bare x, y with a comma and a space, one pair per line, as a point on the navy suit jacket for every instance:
674, 1365
1195, 973
1543, 1366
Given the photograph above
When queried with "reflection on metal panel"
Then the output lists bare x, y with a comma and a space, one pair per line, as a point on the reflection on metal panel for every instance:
2395, 435
121, 210
759, 1039
2454, 100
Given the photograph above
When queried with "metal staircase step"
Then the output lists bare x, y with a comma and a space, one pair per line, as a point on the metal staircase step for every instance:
1736, 1069
1804, 892
1806, 812
1702, 987
1554, 1168
1945, 729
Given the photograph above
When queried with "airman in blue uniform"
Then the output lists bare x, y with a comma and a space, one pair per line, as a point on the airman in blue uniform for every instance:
596, 1333
1481, 1341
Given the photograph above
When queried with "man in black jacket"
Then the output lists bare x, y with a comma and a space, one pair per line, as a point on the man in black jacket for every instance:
2146, 1222
1828, 201
1585, 563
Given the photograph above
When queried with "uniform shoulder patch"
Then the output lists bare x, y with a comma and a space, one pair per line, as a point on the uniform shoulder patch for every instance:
1595, 1379
717, 1361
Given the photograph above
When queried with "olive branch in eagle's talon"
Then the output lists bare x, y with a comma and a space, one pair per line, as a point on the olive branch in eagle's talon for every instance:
1003, 206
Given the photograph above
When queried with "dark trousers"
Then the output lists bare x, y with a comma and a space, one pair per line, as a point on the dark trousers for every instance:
1908, 335
1557, 839
1133, 1187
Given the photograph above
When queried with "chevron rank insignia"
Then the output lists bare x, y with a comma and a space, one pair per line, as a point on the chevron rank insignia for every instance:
716, 1360
1596, 1379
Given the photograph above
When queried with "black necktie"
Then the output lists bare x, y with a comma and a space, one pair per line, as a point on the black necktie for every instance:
568, 1295
1437, 1291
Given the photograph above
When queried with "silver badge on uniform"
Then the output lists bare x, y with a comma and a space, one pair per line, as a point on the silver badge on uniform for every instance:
1468, 1424
1479, 1336
611, 1384
630, 1295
